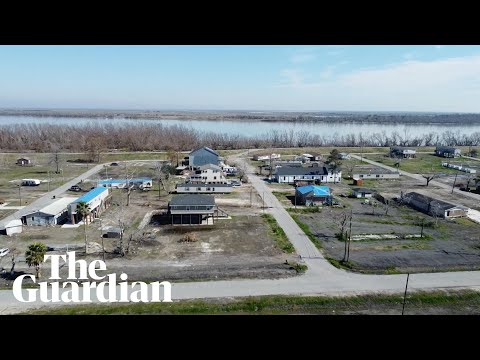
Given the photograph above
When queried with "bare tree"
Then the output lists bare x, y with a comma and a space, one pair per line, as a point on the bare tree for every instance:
56, 158
430, 177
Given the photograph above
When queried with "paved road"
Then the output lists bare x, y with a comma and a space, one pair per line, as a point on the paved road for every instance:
420, 178
321, 277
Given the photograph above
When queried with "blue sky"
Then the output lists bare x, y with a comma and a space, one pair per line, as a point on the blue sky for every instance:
341, 78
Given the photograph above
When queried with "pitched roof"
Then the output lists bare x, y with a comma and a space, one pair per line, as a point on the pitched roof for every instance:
434, 203
56, 207
92, 194
123, 181
289, 170
363, 190
192, 199
206, 149
315, 190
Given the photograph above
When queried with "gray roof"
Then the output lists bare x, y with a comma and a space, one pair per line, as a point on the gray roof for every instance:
363, 190
446, 148
289, 170
371, 170
434, 203
206, 149
202, 185
55, 207
192, 199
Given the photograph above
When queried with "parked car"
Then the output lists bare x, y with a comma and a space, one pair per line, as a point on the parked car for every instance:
4, 252
75, 188
114, 164
236, 183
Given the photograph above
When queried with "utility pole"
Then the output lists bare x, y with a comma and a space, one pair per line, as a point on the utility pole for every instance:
20, 193
405, 294
454, 182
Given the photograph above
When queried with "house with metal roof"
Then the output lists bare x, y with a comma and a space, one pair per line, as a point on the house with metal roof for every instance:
291, 175
97, 199
122, 183
203, 156
189, 209
373, 172
403, 152
53, 214
433, 206
448, 151
313, 195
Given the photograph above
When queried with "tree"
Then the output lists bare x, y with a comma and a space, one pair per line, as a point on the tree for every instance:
84, 209
334, 161
34, 256
430, 177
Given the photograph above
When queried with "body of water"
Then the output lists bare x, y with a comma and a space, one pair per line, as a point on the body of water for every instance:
256, 128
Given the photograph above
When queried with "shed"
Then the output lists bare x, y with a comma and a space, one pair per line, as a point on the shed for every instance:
11, 227
24, 161
362, 193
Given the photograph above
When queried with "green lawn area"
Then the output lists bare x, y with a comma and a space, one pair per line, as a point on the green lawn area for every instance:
440, 302
422, 164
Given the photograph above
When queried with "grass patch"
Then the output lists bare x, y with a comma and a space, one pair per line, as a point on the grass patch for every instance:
278, 234
465, 221
306, 229
306, 210
391, 270
346, 265
417, 303
422, 164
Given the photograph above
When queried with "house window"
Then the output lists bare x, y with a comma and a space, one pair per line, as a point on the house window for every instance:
378, 176
187, 189
361, 176
33, 218
214, 178
284, 178
209, 189
213, 189
199, 189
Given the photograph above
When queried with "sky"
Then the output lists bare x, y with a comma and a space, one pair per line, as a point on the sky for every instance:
432, 78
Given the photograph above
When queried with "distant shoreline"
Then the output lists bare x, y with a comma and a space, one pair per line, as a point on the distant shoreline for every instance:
245, 116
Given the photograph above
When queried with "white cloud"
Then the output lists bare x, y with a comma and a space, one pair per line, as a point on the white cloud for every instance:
302, 58
451, 84
292, 77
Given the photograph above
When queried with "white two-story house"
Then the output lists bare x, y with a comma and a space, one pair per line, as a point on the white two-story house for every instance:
207, 174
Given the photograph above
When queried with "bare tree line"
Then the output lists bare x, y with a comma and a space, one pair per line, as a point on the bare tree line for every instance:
95, 137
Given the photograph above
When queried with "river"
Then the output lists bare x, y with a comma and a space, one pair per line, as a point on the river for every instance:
255, 128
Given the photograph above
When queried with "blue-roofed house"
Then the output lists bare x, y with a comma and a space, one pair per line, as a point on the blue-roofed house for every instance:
97, 199
203, 156
313, 195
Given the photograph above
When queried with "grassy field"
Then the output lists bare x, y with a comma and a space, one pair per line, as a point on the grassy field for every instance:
439, 302
278, 234
422, 164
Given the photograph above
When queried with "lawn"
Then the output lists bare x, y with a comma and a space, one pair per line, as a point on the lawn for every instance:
422, 164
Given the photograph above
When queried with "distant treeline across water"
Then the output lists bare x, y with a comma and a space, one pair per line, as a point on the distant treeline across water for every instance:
94, 136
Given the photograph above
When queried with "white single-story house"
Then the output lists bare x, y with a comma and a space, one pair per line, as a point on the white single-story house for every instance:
143, 183
189, 188
290, 175
466, 169
52, 214
373, 172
